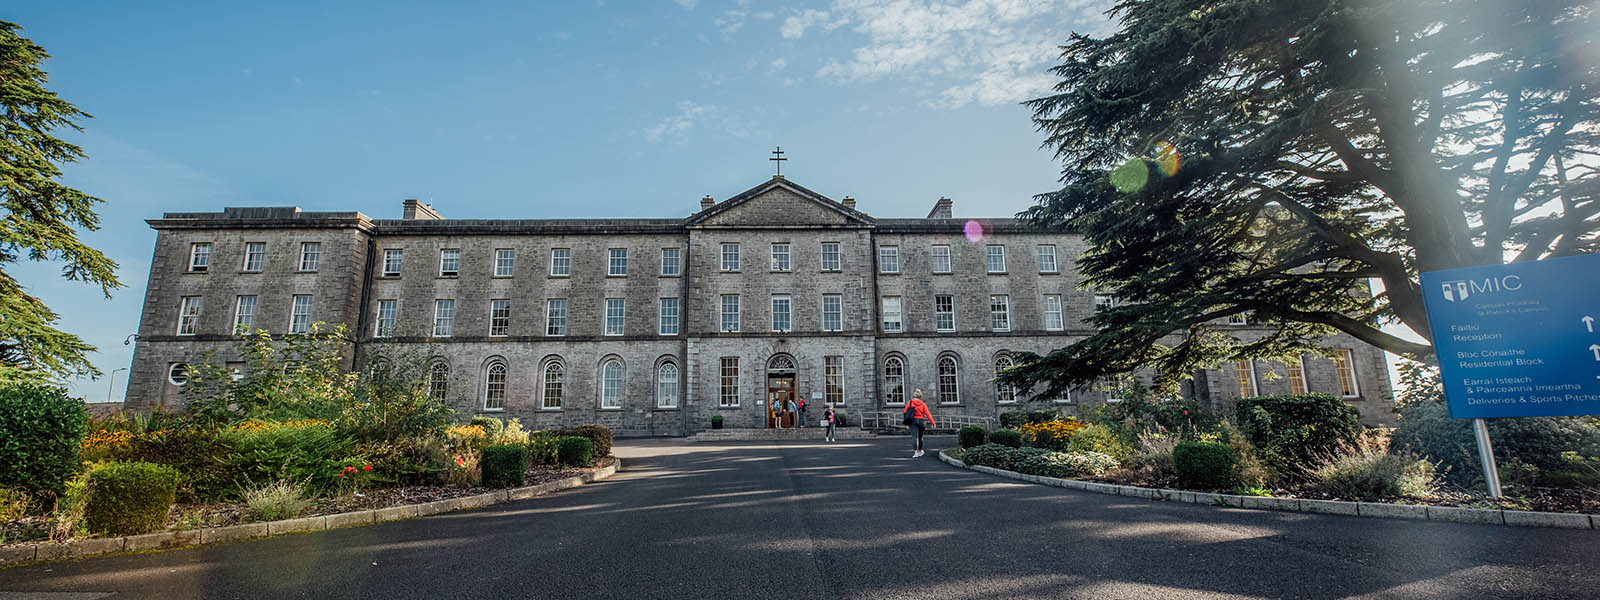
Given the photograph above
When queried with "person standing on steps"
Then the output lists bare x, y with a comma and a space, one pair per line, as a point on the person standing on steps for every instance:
802, 418
918, 419
794, 412
827, 417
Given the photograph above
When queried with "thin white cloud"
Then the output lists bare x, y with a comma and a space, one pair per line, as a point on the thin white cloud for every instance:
795, 25
689, 113
778, 65
688, 4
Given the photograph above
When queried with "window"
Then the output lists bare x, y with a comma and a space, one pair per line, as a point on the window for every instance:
948, 390
617, 266
388, 317
560, 262
1237, 319
894, 381
494, 389
438, 380
1000, 312
891, 313
189, 314
1047, 259
944, 312
669, 316
611, 384
830, 256
1297, 375
615, 313
995, 258
300, 314
555, 379
310, 255
178, 373
1003, 394
729, 396
780, 257
730, 312
244, 314
730, 257
444, 317
888, 259
499, 317
1066, 398
1345, 360
199, 256
1244, 371
1052, 313
392, 260
941, 259
555, 320
780, 313
449, 262
671, 262
505, 262
667, 385
833, 380
1104, 302
255, 256
832, 312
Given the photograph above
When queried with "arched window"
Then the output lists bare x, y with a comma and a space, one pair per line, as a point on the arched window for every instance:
555, 379
1003, 393
611, 384
178, 373
438, 380
780, 363
494, 389
667, 385
894, 380
948, 390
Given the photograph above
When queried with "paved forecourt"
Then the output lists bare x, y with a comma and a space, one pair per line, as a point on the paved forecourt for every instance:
848, 520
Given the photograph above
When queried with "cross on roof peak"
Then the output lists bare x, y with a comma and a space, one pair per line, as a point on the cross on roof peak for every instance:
777, 160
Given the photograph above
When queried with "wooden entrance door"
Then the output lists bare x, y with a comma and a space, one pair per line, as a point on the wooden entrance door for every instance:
780, 390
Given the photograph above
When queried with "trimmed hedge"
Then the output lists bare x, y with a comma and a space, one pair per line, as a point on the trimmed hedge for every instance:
575, 451
972, 435
599, 437
491, 426
1006, 437
504, 465
1019, 418
130, 498
999, 457
41, 429
542, 447
1295, 431
1064, 464
1205, 465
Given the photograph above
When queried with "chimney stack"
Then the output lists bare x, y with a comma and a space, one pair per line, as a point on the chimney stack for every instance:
849, 203
941, 209
707, 202
417, 211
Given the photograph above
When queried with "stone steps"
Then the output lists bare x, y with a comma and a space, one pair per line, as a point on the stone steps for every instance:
778, 435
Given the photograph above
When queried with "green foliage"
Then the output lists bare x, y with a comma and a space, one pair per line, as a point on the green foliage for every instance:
716, 418
972, 435
1365, 472
491, 426
1546, 451
1289, 155
1006, 437
1014, 419
41, 429
311, 453
1204, 465
504, 465
599, 436
1152, 457
130, 498
1098, 439
999, 456
40, 218
574, 451
542, 448
392, 401
301, 377
1292, 432
1067, 464
277, 500
1142, 409
14, 504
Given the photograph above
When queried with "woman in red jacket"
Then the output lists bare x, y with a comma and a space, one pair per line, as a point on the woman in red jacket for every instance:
918, 419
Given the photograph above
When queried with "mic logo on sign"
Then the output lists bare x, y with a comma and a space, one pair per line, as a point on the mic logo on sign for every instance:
1459, 291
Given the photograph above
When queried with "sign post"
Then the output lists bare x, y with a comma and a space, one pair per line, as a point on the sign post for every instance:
1516, 340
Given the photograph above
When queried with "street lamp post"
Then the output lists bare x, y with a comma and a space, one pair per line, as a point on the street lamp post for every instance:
112, 385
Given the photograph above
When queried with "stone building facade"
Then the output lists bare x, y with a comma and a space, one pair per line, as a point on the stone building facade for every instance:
652, 326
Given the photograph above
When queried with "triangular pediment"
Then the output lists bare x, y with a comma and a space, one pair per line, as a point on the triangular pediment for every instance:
779, 203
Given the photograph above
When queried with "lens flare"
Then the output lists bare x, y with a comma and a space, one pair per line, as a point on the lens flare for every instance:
1130, 177
973, 231
1166, 158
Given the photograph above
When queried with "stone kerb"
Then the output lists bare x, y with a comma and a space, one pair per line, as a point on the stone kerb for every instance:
15, 555
1450, 514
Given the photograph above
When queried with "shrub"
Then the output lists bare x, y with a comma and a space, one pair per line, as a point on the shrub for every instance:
575, 451
1142, 410
1294, 431
491, 426
1006, 437
1204, 465
542, 448
14, 504
1537, 443
277, 500
1015, 419
392, 400
1365, 472
1099, 439
1064, 464
504, 465
1153, 456
1050, 435
599, 436
972, 435
298, 451
998, 456
839, 419
41, 432
130, 498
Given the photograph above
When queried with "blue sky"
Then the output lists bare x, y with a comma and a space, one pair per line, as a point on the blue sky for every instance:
534, 109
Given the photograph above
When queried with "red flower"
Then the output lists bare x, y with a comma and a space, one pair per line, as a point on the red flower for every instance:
340, 475
349, 469
369, 467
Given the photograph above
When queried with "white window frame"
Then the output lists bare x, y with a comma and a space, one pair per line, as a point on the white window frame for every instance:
837, 314
1053, 265
178, 370
560, 262
310, 256
554, 321
1238, 318
438, 387
1053, 308
833, 381
893, 380
1003, 394
446, 256
189, 309
444, 317
898, 323
837, 263
888, 259
788, 313
1104, 302
557, 384
728, 385
494, 306
676, 262
725, 324
989, 255
199, 262
621, 316
667, 392
505, 262
261, 257
1000, 320
955, 379
938, 324
1344, 362
399, 255
295, 313
729, 257
616, 262
782, 258
948, 261
392, 320
608, 399
493, 402
675, 318
1242, 367
1297, 375
240, 315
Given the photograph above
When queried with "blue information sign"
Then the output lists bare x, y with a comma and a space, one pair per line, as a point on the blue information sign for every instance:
1518, 340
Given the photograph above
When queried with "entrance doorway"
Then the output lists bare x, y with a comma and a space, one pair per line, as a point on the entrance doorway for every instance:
780, 391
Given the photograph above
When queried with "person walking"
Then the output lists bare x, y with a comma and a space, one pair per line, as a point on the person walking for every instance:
918, 419
827, 417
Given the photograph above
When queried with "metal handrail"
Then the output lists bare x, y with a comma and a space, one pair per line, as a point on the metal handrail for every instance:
891, 420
